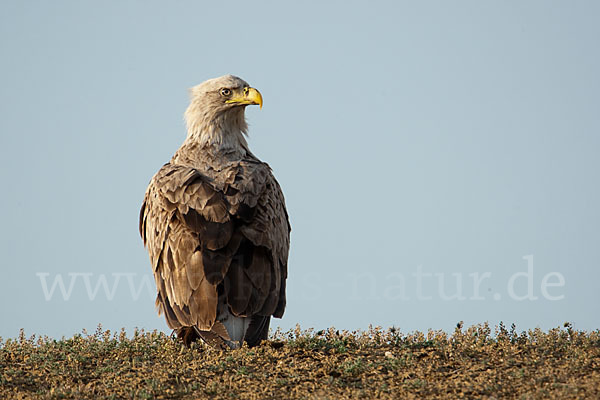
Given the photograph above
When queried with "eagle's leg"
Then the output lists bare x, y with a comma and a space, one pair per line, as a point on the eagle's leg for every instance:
258, 330
187, 334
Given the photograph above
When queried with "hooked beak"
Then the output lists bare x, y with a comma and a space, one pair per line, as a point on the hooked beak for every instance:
248, 97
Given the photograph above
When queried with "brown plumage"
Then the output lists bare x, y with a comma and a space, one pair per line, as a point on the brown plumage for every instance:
215, 225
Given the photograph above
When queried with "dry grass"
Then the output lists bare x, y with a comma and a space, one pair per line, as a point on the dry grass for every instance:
472, 363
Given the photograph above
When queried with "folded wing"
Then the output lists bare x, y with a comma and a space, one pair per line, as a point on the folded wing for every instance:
216, 241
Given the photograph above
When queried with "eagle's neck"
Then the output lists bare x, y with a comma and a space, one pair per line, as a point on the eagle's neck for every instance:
218, 133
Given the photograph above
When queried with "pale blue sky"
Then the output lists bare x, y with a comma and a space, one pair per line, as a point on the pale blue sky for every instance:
410, 138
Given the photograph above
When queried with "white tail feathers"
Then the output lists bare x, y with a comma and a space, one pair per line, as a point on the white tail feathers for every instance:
236, 328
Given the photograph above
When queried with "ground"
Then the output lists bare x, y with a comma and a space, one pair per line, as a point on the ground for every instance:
470, 363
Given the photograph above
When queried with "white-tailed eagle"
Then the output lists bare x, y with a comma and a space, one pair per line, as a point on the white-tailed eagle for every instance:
215, 224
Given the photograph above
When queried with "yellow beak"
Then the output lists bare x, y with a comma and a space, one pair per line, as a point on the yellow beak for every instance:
249, 96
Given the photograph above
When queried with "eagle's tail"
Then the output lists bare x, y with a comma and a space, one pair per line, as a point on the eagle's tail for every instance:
252, 329
229, 333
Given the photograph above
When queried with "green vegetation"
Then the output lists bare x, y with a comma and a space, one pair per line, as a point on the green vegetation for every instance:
470, 363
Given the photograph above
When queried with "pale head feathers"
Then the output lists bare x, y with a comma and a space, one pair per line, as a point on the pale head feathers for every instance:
211, 122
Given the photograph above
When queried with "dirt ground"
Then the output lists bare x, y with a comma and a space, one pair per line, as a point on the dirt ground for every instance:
471, 363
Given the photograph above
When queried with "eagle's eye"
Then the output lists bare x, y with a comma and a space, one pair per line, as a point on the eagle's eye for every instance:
225, 92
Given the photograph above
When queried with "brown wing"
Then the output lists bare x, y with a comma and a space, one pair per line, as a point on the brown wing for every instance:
227, 235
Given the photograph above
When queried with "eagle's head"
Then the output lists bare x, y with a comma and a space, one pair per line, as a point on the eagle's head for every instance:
215, 116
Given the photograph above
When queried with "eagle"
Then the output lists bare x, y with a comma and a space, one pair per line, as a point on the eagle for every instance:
215, 225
